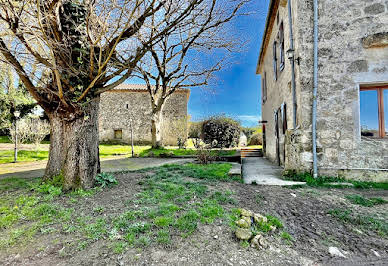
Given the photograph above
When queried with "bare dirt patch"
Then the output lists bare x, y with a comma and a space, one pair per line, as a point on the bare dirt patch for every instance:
304, 213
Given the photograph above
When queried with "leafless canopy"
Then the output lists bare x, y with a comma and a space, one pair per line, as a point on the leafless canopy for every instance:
81, 46
189, 55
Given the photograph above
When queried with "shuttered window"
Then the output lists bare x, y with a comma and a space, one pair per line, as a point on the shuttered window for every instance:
281, 47
264, 86
275, 61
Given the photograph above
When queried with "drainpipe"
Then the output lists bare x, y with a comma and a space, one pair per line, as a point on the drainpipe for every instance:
292, 65
314, 118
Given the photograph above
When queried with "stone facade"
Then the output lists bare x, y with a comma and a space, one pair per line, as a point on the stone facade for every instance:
353, 52
119, 104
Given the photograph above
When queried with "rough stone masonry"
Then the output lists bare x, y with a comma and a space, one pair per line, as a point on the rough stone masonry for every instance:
131, 102
353, 54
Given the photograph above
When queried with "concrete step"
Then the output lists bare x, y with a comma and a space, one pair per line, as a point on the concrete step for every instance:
246, 152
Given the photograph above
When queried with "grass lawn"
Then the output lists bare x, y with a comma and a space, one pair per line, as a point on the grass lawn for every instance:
4, 139
23, 156
108, 150
31, 155
181, 152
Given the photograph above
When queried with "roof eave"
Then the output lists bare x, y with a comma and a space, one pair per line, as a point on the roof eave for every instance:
265, 36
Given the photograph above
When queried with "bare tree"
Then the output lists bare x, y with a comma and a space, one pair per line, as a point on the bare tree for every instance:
82, 48
187, 57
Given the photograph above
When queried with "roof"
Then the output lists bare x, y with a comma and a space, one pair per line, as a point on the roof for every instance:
273, 6
140, 88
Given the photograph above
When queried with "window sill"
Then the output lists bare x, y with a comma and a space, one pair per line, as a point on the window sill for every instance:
374, 139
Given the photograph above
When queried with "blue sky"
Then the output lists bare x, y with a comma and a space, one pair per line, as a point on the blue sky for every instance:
238, 90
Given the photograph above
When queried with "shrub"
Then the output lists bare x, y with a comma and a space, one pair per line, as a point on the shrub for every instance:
221, 132
195, 133
256, 139
181, 143
204, 156
105, 180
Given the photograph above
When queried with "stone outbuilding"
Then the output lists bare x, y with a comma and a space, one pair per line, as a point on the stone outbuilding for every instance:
351, 81
132, 103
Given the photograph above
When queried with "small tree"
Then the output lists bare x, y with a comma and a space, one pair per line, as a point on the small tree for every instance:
181, 59
23, 131
30, 130
221, 132
39, 130
195, 129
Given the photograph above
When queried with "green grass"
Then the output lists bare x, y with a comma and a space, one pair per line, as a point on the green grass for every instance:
7, 156
169, 204
360, 200
109, 150
5, 139
168, 152
14, 183
106, 151
23, 216
365, 222
329, 182
210, 172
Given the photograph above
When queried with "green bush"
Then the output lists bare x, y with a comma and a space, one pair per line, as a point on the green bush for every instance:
105, 180
256, 139
221, 132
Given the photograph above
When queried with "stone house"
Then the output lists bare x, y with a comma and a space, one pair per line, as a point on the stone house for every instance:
118, 105
350, 121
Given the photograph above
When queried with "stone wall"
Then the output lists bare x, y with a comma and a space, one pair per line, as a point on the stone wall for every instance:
279, 91
353, 50
117, 106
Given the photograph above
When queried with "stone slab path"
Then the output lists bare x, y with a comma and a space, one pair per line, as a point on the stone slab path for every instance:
36, 169
262, 172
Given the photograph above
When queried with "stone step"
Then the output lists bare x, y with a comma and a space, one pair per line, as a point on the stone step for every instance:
247, 152
247, 149
252, 155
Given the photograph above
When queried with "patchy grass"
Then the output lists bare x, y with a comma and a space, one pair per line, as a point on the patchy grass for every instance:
365, 222
22, 217
360, 200
168, 205
329, 182
14, 183
210, 172
168, 152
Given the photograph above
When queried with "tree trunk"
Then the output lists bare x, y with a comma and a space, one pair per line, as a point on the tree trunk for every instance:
156, 121
74, 151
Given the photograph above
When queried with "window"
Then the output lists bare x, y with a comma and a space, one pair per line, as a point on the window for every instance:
264, 87
281, 46
118, 134
284, 115
374, 111
275, 61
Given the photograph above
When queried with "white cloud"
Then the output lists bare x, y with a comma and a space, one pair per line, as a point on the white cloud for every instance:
249, 120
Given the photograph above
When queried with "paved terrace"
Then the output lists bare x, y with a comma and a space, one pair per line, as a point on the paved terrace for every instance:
262, 172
